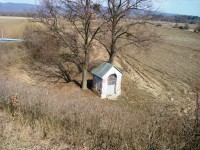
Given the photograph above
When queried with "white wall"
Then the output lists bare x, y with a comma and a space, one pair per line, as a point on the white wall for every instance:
113, 70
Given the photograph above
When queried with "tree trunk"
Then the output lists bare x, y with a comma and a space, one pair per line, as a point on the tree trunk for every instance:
86, 44
111, 59
85, 69
113, 47
84, 78
113, 37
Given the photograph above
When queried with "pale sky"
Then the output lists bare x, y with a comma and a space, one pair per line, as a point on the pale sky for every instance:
20, 1
185, 7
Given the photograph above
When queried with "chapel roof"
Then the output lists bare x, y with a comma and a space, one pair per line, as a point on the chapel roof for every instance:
103, 68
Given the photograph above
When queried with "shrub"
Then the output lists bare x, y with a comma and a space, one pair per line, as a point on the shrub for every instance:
46, 54
197, 29
176, 25
186, 26
41, 45
87, 125
158, 25
180, 27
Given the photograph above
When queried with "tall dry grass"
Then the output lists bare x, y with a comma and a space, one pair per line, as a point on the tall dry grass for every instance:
11, 54
91, 124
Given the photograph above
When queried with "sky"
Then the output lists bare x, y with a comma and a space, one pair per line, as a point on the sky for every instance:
184, 7
20, 1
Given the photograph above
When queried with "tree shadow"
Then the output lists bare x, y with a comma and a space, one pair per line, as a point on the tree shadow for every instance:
77, 83
53, 73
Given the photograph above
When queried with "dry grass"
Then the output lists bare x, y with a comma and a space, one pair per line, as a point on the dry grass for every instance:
66, 117
83, 122
13, 26
11, 54
171, 67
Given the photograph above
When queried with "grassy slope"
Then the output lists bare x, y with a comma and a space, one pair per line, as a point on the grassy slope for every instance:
170, 67
173, 65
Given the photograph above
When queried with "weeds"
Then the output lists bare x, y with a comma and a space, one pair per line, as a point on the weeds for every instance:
83, 123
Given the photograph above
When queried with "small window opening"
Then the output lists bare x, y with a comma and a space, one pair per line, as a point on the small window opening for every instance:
112, 79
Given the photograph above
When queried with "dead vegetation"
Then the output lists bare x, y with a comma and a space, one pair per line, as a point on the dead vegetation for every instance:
197, 28
12, 27
83, 122
158, 108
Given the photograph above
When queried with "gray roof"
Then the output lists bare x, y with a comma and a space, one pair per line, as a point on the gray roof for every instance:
102, 69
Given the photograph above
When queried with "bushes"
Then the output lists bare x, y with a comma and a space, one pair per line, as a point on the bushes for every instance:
84, 122
176, 25
180, 27
48, 59
185, 27
158, 25
197, 29
41, 45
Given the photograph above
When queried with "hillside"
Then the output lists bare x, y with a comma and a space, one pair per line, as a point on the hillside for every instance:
155, 111
16, 7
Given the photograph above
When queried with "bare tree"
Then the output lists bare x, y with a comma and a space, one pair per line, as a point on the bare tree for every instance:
126, 25
73, 23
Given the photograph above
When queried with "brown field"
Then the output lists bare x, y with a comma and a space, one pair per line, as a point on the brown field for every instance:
12, 26
173, 63
156, 100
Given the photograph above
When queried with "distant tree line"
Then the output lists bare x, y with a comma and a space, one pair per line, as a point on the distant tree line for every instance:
156, 17
17, 14
176, 18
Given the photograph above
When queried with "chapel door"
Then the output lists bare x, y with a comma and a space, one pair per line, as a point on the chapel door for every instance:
112, 81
